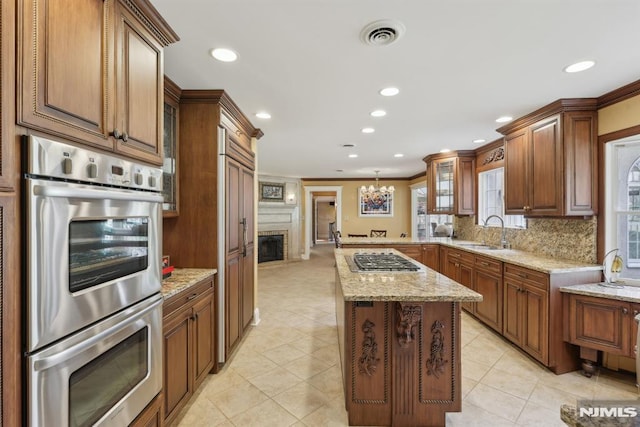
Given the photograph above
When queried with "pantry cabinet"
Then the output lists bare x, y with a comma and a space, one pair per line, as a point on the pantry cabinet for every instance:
551, 161
451, 183
92, 72
189, 344
216, 172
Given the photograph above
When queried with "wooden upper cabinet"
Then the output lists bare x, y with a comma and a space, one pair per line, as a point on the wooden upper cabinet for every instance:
91, 71
66, 55
551, 160
451, 183
139, 88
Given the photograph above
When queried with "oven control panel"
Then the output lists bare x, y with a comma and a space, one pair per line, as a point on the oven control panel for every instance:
54, 159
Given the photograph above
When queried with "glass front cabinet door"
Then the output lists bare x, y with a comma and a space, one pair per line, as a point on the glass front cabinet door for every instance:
450, 183
170, 147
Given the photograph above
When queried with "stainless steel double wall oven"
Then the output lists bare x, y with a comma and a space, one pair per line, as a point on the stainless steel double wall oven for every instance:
93, 333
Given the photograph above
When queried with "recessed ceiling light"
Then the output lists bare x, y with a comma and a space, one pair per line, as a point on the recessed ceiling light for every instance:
389, 91
579, 66
445, 150
378, 113
263, 115
224, 55
398, 155
353, 156
504, 119
479, 141
368, 130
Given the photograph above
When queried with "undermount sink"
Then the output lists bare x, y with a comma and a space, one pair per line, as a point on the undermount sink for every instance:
478, 246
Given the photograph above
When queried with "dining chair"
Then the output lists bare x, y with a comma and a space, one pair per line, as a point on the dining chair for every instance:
378, 233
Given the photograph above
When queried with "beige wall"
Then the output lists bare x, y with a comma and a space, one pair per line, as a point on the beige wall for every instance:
619, 116
352, 223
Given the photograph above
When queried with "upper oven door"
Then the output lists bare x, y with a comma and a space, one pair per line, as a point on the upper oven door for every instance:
91, 250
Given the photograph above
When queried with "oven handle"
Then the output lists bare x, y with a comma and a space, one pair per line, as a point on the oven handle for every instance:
79, 348
88, 193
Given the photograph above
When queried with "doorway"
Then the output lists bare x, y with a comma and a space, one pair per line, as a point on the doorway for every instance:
311, 192
324, 218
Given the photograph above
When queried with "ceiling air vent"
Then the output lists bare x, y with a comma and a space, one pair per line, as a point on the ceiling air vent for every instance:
382, 33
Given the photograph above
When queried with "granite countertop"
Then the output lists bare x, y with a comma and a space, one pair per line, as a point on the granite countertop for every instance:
626, 293
513, 256
423, 285
182, 278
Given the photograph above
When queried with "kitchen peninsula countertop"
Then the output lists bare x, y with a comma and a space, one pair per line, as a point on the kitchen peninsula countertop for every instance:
626, 293
513, 256
424, 285
182, 278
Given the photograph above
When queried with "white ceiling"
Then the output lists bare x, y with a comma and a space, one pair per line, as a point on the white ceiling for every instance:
459, 66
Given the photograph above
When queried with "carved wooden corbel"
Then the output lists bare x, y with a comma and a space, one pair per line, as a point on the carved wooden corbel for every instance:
409, 316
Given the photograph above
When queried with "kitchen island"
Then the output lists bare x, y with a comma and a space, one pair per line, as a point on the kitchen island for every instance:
399, 336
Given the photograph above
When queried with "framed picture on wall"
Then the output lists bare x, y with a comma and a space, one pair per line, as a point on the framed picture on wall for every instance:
271, 192
375, 204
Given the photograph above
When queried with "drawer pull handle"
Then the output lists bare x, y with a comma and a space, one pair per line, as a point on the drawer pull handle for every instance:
484, 263
192, 296
455, 255
523, 275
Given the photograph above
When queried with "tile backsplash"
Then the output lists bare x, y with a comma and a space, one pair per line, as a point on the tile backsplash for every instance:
573, 239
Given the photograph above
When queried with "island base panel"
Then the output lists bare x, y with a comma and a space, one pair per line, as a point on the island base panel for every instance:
401, 362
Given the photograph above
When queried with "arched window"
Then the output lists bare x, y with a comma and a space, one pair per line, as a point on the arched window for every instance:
622, 204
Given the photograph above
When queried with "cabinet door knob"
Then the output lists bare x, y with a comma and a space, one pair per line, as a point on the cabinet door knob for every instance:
625, 310
635, 312
116, 134
125, 137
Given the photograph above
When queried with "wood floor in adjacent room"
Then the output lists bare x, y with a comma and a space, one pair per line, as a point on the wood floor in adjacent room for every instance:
287, 370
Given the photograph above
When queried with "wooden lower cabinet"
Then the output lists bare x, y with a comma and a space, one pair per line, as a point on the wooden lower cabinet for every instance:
487, 281
526, 311
412, 251
601, 324
189, 344
458, 265
151, 416
431, 256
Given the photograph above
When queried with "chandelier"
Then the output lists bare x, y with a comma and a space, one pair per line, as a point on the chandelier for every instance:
376, 190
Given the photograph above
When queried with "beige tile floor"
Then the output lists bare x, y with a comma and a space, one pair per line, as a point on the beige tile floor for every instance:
287, 370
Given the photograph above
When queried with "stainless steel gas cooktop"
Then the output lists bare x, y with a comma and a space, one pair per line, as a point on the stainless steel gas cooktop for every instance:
380, 262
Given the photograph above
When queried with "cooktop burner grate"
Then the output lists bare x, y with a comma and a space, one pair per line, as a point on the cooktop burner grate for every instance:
383, 262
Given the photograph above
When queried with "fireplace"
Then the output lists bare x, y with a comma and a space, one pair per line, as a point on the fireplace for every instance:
271, 248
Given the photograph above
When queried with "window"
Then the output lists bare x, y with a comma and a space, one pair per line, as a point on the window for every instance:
491, 200
622, 204
422, 224
419, 209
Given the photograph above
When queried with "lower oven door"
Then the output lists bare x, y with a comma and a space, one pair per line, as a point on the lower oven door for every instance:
104, 375
91, 251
